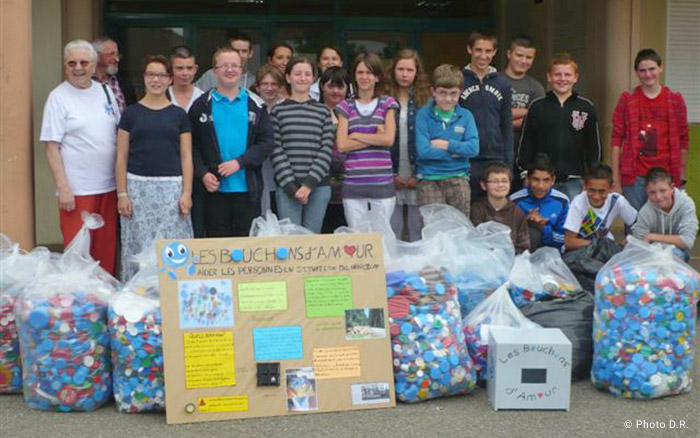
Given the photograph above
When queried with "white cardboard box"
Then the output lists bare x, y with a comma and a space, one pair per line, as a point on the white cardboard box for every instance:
529, 368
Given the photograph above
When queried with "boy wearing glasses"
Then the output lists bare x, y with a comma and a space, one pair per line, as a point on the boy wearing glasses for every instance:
231, 137
593, 211
446, 138
497, 207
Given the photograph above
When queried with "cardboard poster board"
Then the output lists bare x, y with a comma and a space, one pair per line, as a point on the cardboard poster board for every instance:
268, 326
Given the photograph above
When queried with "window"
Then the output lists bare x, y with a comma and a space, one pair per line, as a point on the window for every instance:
140, 43
682, 54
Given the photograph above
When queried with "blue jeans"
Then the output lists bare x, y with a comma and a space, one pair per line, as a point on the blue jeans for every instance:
681, 254
309, 216
636, 194
570, 188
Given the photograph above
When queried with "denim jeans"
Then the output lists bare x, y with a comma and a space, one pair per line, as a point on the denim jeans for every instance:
681, 254
636, 194
570, 188
309, 216
412, 223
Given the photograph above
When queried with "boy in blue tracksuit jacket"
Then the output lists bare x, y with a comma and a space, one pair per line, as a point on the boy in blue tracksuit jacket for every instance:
546, 208
446, 138
487, 94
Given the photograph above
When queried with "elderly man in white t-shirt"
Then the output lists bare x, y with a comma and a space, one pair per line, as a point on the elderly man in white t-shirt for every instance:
80, 132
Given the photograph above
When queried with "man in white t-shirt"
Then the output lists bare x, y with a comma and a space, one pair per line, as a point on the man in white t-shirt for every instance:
183, 93
593, 211
80, 132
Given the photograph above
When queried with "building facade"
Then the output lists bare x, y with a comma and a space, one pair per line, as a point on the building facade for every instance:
603, 35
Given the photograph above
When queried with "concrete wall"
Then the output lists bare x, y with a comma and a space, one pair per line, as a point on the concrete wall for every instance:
47, 74
16, 187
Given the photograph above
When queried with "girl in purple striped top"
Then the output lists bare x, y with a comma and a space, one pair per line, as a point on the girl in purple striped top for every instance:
366, 130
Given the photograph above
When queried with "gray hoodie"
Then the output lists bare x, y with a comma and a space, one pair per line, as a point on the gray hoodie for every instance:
681, 220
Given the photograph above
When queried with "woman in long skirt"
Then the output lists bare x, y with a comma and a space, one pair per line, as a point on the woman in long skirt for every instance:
154, 168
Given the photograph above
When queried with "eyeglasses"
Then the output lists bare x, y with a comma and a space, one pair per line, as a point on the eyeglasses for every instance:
151, 75
498, 181
113, 55
448, 95
228, 67
73, 64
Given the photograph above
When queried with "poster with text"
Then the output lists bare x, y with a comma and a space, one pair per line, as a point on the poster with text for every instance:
268, 326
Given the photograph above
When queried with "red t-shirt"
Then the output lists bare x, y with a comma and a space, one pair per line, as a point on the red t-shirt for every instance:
653, 132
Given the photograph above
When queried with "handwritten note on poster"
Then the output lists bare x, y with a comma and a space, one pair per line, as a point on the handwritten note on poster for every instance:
209, 360
328, 296
337, 363
262, 297
277, 343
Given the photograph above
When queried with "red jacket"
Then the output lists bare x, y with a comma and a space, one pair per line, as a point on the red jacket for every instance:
626, 128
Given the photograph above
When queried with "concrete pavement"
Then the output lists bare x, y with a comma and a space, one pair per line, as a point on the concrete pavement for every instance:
593, 414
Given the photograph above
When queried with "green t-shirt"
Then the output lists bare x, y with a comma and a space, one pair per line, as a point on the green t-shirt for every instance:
445, 116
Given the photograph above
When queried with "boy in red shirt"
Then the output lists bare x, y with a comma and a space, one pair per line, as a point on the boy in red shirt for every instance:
650, 129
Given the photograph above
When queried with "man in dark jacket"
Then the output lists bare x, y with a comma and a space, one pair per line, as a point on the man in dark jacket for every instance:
488, 96
231, 137
564, 126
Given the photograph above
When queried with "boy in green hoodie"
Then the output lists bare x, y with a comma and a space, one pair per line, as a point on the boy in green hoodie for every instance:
668, 216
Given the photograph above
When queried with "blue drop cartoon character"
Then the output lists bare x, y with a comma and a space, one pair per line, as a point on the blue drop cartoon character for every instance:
176, 255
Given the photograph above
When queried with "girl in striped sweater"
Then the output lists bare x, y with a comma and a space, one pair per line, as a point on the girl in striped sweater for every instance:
303, 150
366, 130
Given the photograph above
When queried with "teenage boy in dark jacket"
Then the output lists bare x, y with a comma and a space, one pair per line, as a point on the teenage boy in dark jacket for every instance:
231, 137
488, 96
564, 126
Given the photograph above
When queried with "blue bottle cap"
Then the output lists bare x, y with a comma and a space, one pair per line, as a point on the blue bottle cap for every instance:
644, 312
406, 328
395, 278
620, 313
649, 368
439, 289
39, 318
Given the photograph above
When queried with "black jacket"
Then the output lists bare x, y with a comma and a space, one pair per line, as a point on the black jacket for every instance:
490, 103
567, 133
205, 146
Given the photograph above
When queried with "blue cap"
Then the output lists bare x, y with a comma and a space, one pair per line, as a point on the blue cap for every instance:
39, 318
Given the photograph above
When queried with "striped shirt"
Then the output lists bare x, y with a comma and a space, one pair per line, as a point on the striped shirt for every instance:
368, 171
304, 137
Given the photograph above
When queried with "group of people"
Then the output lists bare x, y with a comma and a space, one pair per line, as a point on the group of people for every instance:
322, 146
